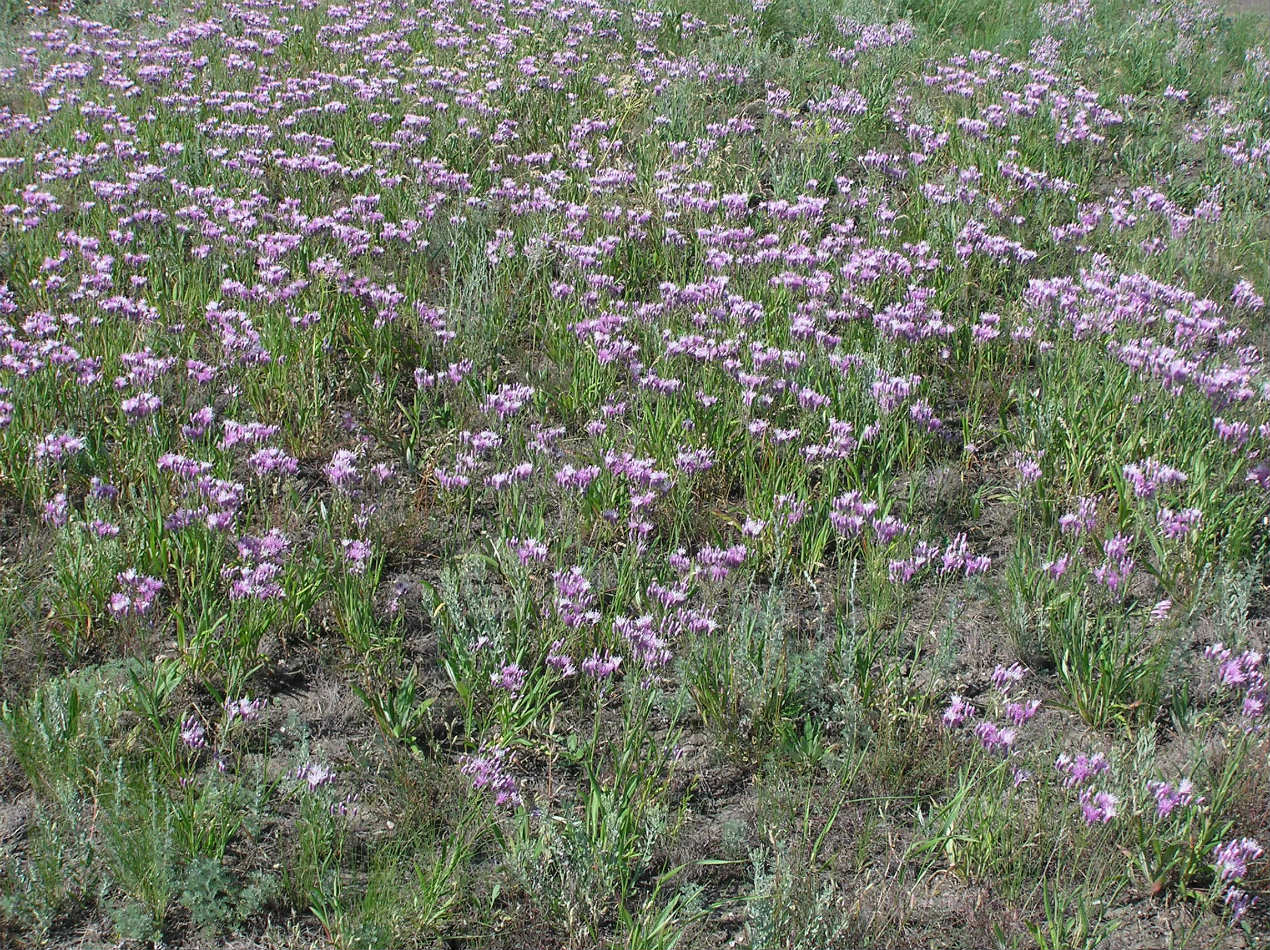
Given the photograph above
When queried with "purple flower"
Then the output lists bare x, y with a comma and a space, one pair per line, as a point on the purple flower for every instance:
1231, 859
1082, 520
140, 406
1116, 569
1168, 798
1149, 476
1029, 467
576, 478
1242, 670
1004, 677
528, 549
136, 595
507, 400
103, 529
995, 738
200, 422
851, 512
248, 710
960, 710
1080, 769
345, 807
1179, 524
1019, 713
57, 446
1056, 568
574, 599
1097, 807
511, 678
272, 459
357, 553
57, 513
601, 667
193, 734
342, 470
560, 661
1239, 901
648, 646
487, 770
102, 491
1245, 295
315, 775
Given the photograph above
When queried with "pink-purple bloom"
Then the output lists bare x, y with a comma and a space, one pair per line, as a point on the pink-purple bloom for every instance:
136, 594
1231, 859
488, 770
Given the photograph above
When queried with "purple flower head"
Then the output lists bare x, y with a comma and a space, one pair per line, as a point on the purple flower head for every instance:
270, 460
57, 446
1028, 466
995, 738
487, 770
1097, 807
1178, 524
647, 642
248, 710
507, 400
103, 529
200, 421
789, 510
511, 677
1168, 798
342, 470
140, 406
560, 661
102, 491
345, 807
574, 599
357, 553
601, 667
851, 513
1239, 901
1020, 713
1242, 671
1149, 476
1227, 431
1115, 570
1081, 521
518, 473
1231, 859
315, 775
1004, 677
577, 479
1245, 295
960, 710
57, 513
1081, 769
1056, 568
136, 594
193, 734
720, 562
528, 549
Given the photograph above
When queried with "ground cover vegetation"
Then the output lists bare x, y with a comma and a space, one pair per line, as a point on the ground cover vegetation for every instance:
569, 473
